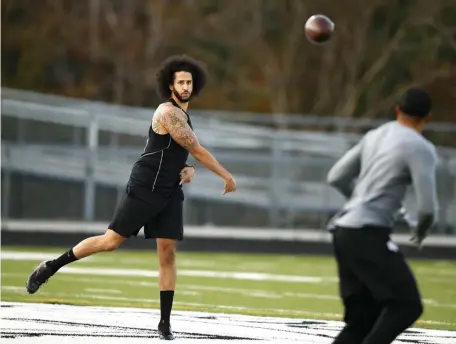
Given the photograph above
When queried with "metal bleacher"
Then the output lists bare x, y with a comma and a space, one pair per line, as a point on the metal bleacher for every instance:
274, 169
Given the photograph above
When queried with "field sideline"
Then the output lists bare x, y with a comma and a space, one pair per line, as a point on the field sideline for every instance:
261, 285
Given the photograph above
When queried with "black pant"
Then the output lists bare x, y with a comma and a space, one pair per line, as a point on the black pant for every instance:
377, 287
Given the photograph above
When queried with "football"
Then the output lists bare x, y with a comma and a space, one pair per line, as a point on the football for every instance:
319, 29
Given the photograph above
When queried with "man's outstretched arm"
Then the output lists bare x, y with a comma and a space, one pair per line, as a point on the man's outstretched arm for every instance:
175, 122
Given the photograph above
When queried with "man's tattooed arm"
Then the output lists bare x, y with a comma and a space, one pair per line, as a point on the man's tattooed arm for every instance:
175, 122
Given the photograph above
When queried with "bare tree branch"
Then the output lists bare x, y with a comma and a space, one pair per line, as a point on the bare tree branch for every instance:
347, 105
94, 32
383, 104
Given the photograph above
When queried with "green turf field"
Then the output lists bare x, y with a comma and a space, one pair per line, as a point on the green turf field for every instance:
229, 283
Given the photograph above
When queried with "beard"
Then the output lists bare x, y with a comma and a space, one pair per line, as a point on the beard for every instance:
182, 100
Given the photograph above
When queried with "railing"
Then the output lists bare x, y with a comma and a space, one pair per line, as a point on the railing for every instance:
277, 170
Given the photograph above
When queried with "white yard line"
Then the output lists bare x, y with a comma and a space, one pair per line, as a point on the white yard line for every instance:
25, 256
103, 291
438, 272
13, 288
40, 256
247, 276
263, 293
116, 291
148, 259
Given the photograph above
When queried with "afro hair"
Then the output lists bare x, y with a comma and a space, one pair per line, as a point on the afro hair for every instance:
180, 63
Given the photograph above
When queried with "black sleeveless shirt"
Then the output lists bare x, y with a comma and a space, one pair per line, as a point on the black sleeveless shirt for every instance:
159, 165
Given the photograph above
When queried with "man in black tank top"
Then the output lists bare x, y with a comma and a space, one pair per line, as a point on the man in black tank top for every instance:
160, 165
154, 196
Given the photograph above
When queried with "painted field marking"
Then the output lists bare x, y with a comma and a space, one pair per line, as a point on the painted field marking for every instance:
55, 324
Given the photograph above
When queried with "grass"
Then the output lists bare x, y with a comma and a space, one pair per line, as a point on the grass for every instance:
315, 299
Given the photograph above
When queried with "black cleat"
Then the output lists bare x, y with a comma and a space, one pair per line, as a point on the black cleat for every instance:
38, 277
164, 330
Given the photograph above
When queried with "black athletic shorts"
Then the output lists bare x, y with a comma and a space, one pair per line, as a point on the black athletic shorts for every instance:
161, 214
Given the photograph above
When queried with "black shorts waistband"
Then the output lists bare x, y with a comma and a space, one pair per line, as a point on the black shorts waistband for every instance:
366, 228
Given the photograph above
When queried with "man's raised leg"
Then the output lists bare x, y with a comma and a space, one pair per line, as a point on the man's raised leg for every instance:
109, 241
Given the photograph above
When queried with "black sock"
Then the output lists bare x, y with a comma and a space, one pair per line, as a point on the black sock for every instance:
166, 304
64, 259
